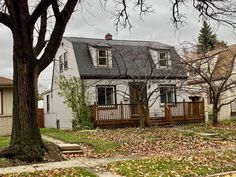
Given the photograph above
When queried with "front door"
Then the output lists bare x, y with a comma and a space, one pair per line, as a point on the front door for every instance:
138, 92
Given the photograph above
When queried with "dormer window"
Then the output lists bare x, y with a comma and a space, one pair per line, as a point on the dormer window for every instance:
102, 57
163, 59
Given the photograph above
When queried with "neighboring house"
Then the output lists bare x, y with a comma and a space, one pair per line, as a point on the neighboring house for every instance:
112, 69
6, 105
216, 66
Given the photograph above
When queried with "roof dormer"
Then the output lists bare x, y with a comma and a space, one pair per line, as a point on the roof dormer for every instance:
101, 56
160, 57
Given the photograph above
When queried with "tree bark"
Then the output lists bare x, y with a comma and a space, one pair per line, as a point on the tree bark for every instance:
141, 115
26, 141
215, 113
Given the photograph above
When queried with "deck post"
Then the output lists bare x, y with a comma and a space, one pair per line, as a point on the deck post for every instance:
184, 109
168, 114
93, 113
147, 115
121, 112
203, 109
96, 114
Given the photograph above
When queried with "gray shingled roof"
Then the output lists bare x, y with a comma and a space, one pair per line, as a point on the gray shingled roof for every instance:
129, 58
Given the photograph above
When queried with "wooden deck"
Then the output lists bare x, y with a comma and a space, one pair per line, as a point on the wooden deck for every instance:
123, 115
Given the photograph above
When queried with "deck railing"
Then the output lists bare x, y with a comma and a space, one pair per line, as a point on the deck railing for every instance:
128, 114
115, 114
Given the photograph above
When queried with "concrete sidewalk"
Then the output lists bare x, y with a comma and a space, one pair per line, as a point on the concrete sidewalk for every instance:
89, 163
52, 140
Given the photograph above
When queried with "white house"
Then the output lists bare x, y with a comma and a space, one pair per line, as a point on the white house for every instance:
219, 68
6, 105
112, 69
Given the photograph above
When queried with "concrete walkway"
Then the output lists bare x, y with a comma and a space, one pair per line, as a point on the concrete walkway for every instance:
50, 139
89, 163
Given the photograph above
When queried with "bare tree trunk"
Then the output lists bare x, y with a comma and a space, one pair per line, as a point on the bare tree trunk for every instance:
141, 115
215, 113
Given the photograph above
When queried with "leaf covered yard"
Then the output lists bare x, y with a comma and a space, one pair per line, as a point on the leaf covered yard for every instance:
139, 142
180, 151
78, 172
199, 164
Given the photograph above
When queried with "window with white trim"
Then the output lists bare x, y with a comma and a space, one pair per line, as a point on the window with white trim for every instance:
102, 57
106, 95
168, 94
163, 59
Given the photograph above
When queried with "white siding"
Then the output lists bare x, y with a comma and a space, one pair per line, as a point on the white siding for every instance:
122, 89
72, 64
59, 112
6, 118
5, 125
7, 101
93, 54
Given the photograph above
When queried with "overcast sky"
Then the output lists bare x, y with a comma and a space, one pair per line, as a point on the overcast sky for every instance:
93, 21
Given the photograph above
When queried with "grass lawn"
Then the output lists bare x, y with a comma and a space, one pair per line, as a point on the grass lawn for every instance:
137, 142
4, 141
225, 130
100, 145
169, 152
200, 164
78, 172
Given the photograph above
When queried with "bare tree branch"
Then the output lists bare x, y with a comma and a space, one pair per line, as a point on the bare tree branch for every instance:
42, 33
5, 19
39, 10
223, 11
56, 35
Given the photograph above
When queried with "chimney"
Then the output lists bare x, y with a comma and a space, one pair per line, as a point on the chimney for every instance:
108, 36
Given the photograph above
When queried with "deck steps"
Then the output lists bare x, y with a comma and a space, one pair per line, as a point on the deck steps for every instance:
73, 152
70, 148
160, 122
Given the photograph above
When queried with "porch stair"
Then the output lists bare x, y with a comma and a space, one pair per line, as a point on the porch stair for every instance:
160, 122
70, 148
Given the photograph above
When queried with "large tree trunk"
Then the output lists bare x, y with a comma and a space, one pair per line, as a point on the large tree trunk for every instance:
26, 142
141, 115
215, 113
